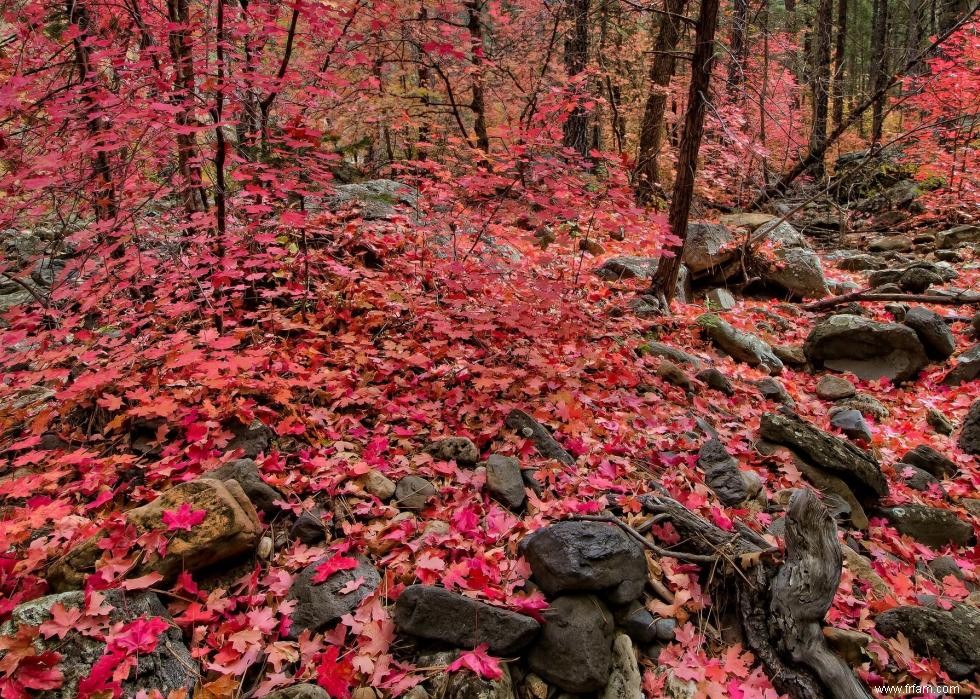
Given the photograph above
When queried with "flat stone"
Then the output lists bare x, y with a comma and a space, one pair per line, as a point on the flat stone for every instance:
413, 492
625, 681
772, 389
952, 637
576, 556
866, 348
915, 478
831, 387
437, 614
928, 459
851, 423
967, 369
319, 605
741, 346
720, 299
931, 526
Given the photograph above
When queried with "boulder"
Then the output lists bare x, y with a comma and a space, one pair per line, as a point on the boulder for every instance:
413, 492
627, 267
377, 199
246, 473
720, 299
790, 355
931, 526
967, 368
969, 439
954, 237
928, 459
577, 556
952, 637
574, 651
795, 270
436, 614
168, 668
716, 380
891, 243
741, 346
505, 482
858, 468
772, 389
934, 334
230, 528
831, 387
709, 247
721, 473
916, 280
318, 605
866, 348
915, 478
851, 423
310, 527
625, 681
462, 450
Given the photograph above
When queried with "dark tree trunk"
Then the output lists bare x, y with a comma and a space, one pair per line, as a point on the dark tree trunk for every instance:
576, 133
665, 278
647, 175
478, 102
879, 65
820, 80
840, 50
738, 46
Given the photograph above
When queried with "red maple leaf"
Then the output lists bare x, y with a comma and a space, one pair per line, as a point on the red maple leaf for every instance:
335, 674
334, 565
183, 518
479, 662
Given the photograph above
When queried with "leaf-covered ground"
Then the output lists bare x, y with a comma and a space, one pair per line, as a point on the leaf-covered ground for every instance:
355, 363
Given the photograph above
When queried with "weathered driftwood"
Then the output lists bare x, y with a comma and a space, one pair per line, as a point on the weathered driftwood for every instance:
939, 297
529, 428
781, 607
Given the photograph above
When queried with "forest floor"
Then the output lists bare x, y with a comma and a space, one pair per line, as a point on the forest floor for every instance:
394, 343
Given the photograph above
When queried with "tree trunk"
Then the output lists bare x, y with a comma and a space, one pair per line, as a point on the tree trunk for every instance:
738, 47
879, 65
478, 102
820, 80
665, 278
576, 132
647, 176
840, 49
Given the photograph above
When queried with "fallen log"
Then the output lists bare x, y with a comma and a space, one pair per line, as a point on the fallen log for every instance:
955, 299
780, 607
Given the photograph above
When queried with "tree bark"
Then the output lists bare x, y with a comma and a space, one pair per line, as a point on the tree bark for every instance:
879, 66
647, 175
820, 81
664, 279
840, 49
738, 47
576, 130
478, 101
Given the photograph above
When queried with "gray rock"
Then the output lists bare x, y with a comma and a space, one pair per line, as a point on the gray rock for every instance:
505, 482
790, 355
915, 280
967, 368
575, 556
796, 270
772, 389
941, 566
939, 422
377, 198
716, 380
246, 473
931, 526
379, 485
466, 685
168, 668
897, 311
624, 675
891, 243
309, 527
627, 267
969, 439
868, 405
854, 261
436, 614
673, 374
462, 450
299, 691
721, 473
954, 237
720, 299
914, 477
659, 349
928, 459
866, 348
321, 604
851, 423
637, 622
935, 335
253, 439
952, 637
709, 246
574, 651
831, 387
413, 492
741, 346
